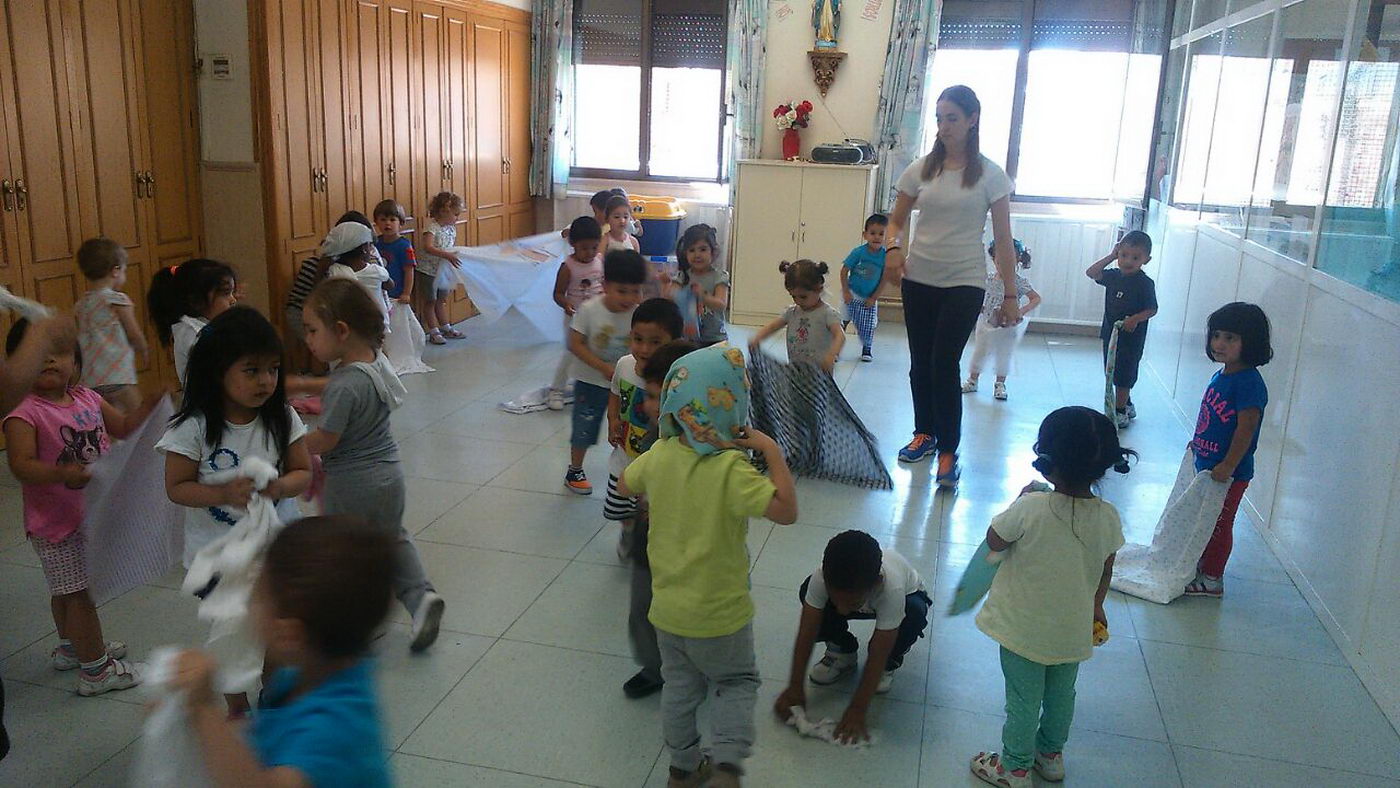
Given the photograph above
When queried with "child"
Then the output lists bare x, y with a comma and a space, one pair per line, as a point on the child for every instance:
1130, 296
323, 592
580, 278
439, 236
350, 248
396, 249
1227, 429
856, 581
1000, 340
184, 298
598, 337
702, 494
640, 631
56, 432
861, 275
1058, 550
695, 269
814, 332
655, 323
618, 212
599, 203
235, 407
107, 331
363, 474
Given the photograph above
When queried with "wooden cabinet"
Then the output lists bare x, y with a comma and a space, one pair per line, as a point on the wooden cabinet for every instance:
790, 211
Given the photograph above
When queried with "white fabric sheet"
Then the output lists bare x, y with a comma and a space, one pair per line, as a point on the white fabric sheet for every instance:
405, 343
515, 274
168, 755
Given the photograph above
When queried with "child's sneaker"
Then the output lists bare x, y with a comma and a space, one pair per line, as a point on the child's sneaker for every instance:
833, 666
1121, 419
1205, 585
969, 387
918, 449
986, 766
577, 482
624, 542
1132, 410
695, 779
426, 620
886, 681
555, 400
65, 658
999, 390
643, 684
866, 355
725, 776
114, 675
1050, 766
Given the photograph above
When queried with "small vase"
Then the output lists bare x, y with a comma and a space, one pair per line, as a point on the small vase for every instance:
792, 145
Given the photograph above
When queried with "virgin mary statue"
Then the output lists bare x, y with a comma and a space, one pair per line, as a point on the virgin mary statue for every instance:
826, 20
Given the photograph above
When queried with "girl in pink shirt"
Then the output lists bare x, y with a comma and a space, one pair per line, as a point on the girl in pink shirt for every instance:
54, 434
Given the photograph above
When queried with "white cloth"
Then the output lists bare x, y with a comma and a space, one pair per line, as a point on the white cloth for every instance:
824, 729
997, 341
607, 334
1160, 571
372, 278
241, 442
533, 401
132, 529
29, 310
184, 333
886, 600
405, 343
947, 250
168, 754
515, 274
1041, 605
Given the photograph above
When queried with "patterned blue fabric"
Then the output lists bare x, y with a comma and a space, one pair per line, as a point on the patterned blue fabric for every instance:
899, 115
552, 96
746, 54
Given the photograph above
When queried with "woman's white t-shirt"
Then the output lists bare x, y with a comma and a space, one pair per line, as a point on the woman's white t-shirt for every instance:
947, 250
253, 439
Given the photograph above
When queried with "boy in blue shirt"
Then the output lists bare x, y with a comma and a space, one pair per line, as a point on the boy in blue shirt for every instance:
860, 282
323, 592
1130, 296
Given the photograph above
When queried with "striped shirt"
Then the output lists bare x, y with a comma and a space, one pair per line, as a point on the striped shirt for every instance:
306, 281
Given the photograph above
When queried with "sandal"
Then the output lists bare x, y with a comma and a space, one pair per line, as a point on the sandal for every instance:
987, 767
452, 333
1205, 585
436, 338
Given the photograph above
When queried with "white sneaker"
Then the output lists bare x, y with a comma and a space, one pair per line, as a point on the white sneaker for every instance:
624, 543
886, 681
118, 675
1122, 420
833, 666
969, 387
69, 661
426, 620
1132, 410
999, 391
556, 399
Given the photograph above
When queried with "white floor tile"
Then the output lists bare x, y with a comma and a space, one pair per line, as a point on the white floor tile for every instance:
520, 522
412, 685
1206, 768
412, 771
486, 590
57, 736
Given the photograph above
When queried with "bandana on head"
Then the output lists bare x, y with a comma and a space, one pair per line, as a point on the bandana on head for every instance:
706, 397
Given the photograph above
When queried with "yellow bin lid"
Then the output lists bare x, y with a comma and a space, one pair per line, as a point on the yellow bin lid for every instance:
644, 207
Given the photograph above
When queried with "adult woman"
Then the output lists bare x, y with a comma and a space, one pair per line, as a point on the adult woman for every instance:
954, 187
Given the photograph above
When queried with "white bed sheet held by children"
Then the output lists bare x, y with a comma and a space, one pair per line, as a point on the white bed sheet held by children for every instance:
1160, 571
516, 274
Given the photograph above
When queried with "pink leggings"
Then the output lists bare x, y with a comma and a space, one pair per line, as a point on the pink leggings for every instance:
1217, 552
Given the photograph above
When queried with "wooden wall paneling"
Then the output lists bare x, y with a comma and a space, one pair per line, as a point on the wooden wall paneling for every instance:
457, 70
429, 101
398, 109
366, 36
488, 130
10, 274
332, 114
170, 113
517, 114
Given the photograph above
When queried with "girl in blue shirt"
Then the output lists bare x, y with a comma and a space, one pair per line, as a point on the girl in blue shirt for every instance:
1227, 428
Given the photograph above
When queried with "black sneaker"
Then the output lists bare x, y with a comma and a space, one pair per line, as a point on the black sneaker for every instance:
577, 482
642, 685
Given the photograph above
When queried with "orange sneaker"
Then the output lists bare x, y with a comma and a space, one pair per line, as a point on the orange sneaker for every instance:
577, 482
918, 449
948, 469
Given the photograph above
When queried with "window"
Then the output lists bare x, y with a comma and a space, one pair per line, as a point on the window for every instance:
1086, 86
649, 88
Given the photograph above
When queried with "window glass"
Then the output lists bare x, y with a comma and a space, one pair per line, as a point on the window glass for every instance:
991, 73
1239, 115
1181, 18
607, 84
1202, 86
687, 78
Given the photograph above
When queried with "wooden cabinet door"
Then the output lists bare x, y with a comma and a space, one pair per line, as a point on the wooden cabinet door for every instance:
517, 115
169, 112
365, 34
489, 54
833, 201
10, 275
398, 109
768, 216
456, 112
429, 100
331, 117
35, 86
296, 154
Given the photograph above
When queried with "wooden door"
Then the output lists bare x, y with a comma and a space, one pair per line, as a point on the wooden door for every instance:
365, 33
489, 53
35, 87
456, 112
768, 216
169, 113
331, 113
833, 200
429, 101
517, 115
9, 226
398, 108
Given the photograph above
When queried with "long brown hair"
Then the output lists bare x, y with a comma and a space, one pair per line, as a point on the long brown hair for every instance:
966, 100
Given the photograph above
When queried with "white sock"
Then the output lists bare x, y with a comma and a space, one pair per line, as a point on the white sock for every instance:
96, 666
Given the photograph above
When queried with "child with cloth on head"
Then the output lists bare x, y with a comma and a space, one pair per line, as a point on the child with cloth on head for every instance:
1057, 551
108, 333
363, 475
814, 332
350, 248
1000, 341
580, 278
702, 490
857, 580
1129, 296
598, 336
322, 593
50, 439
861, 275
184, 298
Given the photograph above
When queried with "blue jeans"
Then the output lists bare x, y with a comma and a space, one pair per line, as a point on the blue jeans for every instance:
590, 408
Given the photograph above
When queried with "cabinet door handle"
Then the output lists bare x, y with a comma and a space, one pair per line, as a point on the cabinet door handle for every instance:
393, 174
7, 189
23, 192
145, 188
794, 236
138, 177
150, 184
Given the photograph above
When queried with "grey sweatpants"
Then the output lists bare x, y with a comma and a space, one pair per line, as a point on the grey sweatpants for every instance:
690, 666
639, 627
377, 494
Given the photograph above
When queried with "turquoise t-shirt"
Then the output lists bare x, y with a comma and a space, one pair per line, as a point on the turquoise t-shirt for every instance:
332, 734
867, 268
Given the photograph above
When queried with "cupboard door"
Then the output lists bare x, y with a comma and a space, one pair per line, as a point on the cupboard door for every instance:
167, 55
331, 117
398, 108
428, 100
296, 153
36, 95
517, 115
768, 217
457, 117
9, 228
488, 130
366, 36
833, 201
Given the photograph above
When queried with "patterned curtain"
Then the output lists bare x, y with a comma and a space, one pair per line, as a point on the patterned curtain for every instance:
747, 51
552, 97
899, 116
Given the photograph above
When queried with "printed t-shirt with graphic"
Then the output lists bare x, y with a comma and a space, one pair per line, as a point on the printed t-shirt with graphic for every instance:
996, 295
1225, 397
607, 333
585, 280
700, 510
711, 321
809, 333
63, 434
108, 359
240, 441
1126, 295
886, 600
400, 261
1041, 605
631, 392
443, 238
867, 268
331, 734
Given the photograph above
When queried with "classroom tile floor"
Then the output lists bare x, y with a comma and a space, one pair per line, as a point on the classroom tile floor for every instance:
524, 686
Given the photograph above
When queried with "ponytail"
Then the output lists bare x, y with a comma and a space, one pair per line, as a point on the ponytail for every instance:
185, 289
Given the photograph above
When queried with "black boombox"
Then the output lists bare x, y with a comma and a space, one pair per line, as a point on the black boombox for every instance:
850, 151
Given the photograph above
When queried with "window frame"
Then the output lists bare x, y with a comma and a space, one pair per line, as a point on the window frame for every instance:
642, 174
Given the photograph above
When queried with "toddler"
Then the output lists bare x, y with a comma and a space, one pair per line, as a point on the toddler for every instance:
580, 278
618, 213
598, 337
363, 474
707, 285
1056, 552
439, 236
108, 333
396, 249
350, 248
1130, 296
702, 493
861, 275
599, 203
184, 298
814, 332
323, 591
1000, 341
50, 439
